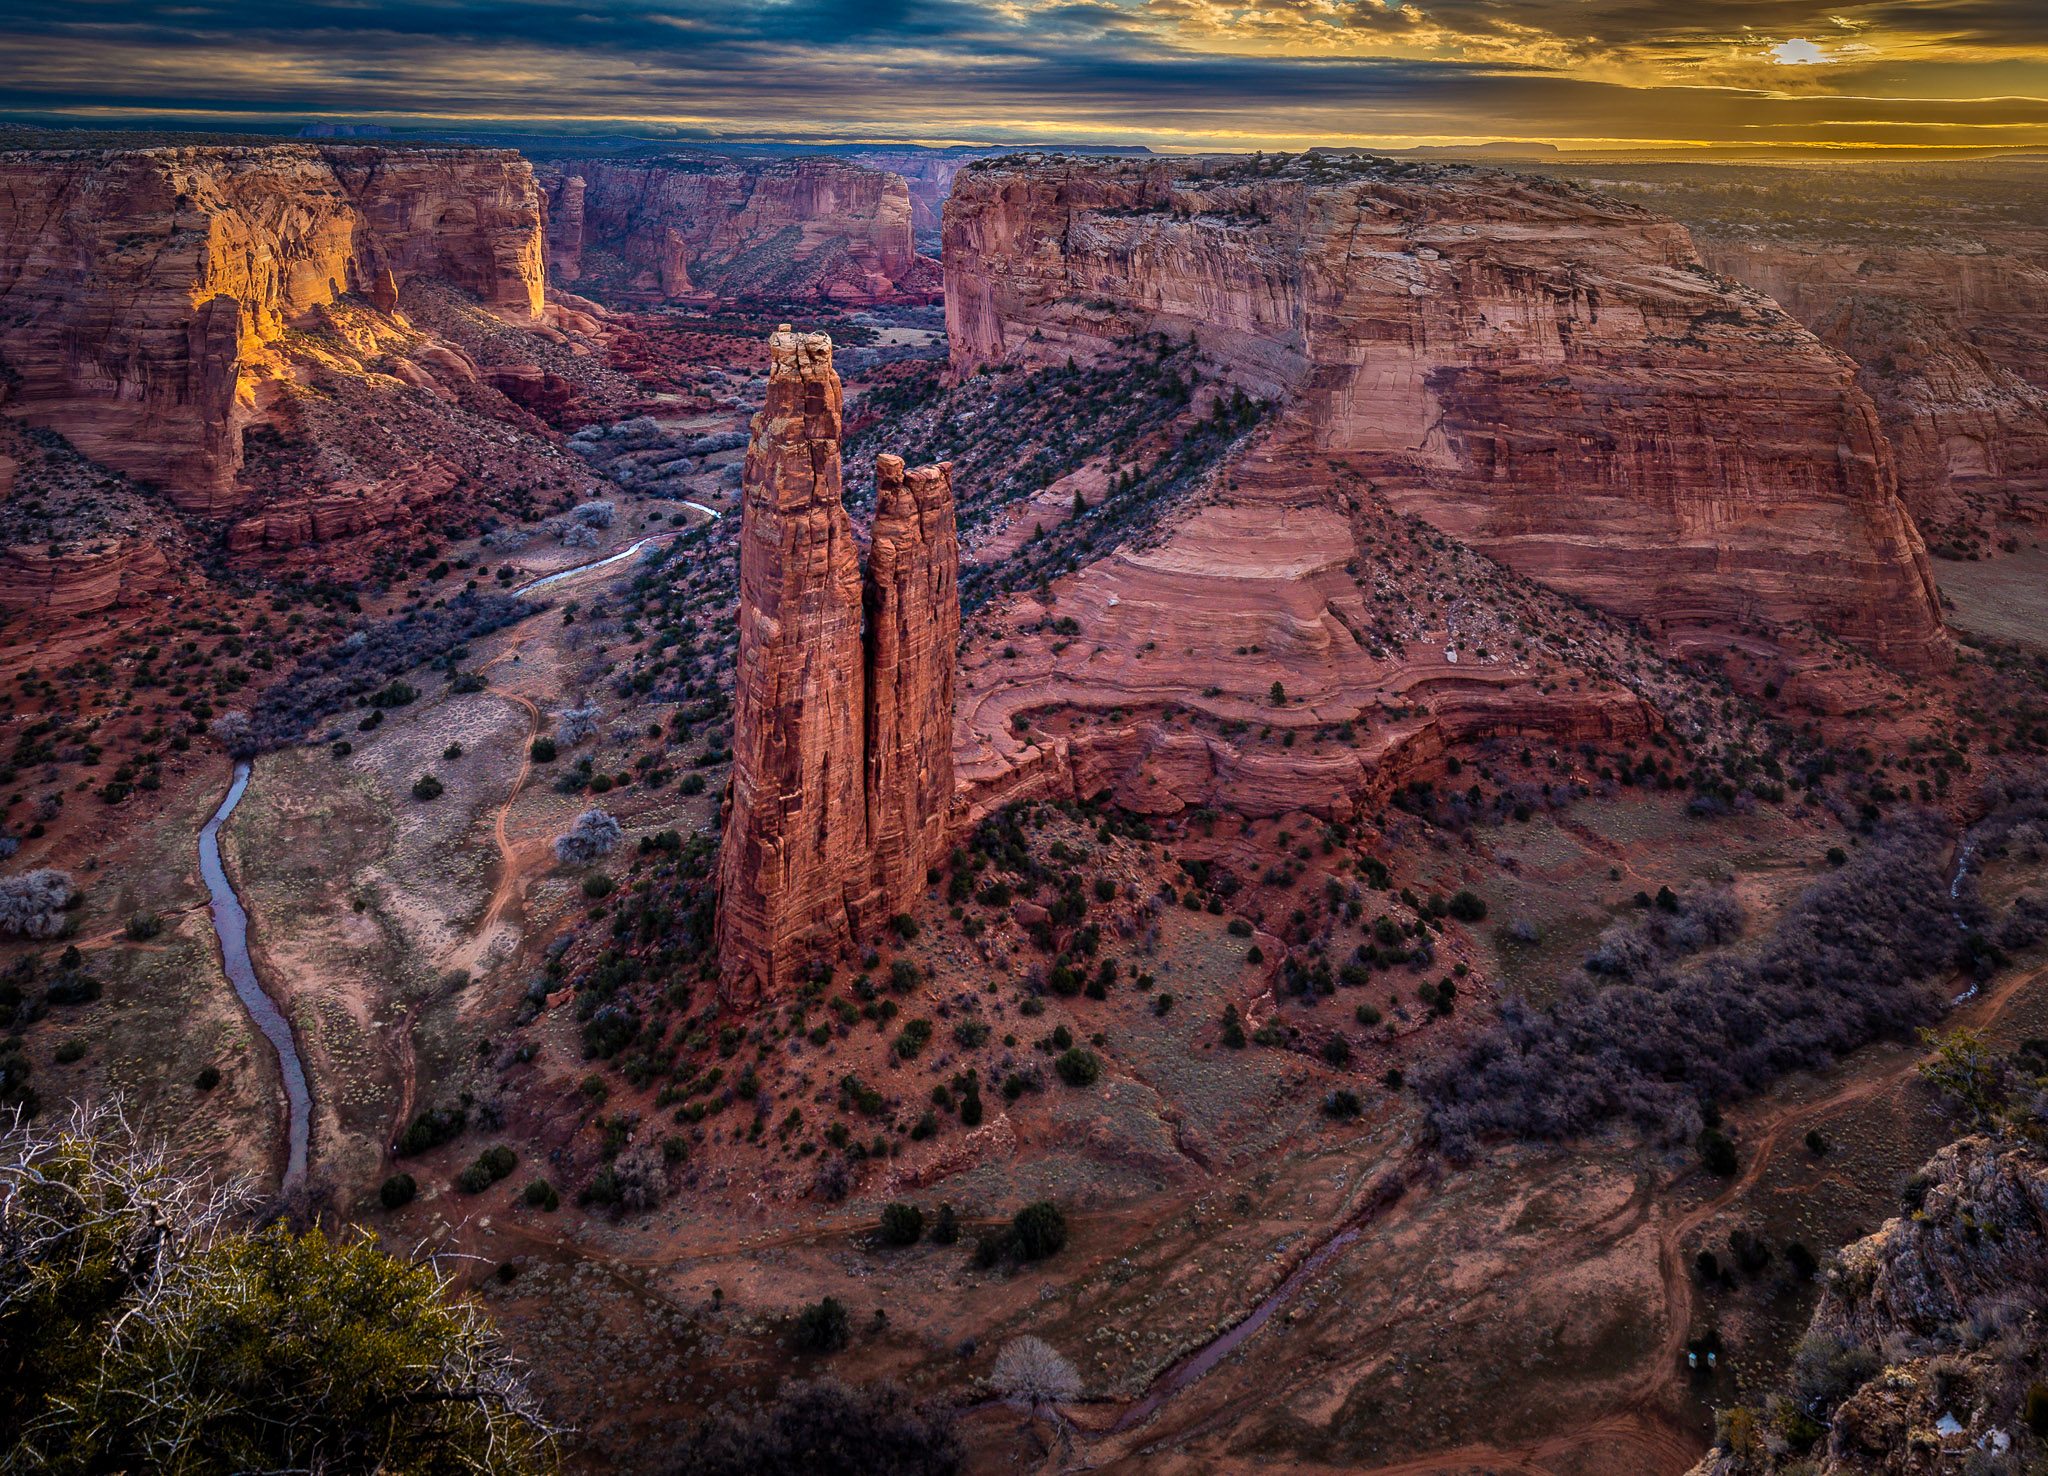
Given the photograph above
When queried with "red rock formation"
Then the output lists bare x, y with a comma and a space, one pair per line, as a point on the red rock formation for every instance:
1547, 374
144, 286
680, 227
913, 623
842, 770
119, 571
346, 510
795, 824
1954, 347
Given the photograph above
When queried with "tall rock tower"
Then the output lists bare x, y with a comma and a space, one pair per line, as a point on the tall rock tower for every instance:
842, 735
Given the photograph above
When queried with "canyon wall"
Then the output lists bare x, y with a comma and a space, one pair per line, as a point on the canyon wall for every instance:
1953, 343
842, 772
1547, 374
141, 290
683, 227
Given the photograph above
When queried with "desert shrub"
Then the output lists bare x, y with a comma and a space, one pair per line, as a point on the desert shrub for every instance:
1845, 964
398, 1191
945, 1226
234, 731
1337, 1051
970, 1034
207, 1079
597, 884
431, 1129
1343, 1105
574, 724
826, 1428
823, 1326
32, 904
490, 1166
1040, 1230
143, 926
1468, 906
1078, 1067
542, 1195
1803, 1262
833, 1180
1031, 1371
1717, 1153
594, 836
542, 751
902, 1224
427, 787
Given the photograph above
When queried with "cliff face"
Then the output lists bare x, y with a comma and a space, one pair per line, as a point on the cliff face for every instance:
1954, 349
670, 228
842, 770
1546, 374
143, 289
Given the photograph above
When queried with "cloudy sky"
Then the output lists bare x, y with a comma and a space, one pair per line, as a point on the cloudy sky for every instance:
1170, 73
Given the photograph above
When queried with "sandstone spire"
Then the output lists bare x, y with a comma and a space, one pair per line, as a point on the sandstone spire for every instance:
795, 826
842, 737
913, 609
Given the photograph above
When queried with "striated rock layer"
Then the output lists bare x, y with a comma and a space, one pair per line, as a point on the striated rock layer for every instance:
842, 770
143, 287
1547, 374
685, 227
1954, 348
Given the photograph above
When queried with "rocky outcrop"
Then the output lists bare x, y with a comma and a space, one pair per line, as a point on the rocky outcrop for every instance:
143, 291
1547, 374
119, 571
1923, 1354
1954, 348
690, 227
842, 772
913, 625
926, 173
346, 510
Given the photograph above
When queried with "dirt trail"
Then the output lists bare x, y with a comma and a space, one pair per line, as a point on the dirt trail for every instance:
514, 868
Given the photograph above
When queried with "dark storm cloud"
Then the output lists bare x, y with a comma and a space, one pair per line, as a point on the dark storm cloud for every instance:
1175, 72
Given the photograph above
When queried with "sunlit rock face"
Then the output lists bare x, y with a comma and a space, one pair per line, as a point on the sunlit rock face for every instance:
146, 287
1548, 374
842, 772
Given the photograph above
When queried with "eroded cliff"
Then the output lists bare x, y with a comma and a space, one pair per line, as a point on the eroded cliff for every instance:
684, 227
842, 773
1549, 375
146, 291
1953, 341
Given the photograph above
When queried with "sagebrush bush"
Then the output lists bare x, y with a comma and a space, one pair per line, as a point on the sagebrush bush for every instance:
594, 836
32, 904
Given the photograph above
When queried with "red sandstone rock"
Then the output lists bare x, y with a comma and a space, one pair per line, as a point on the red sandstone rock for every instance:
1549, 375
686, 227
913, 625
144, 285
842, 773
1954, 344
795, 824
346, 510
121, 570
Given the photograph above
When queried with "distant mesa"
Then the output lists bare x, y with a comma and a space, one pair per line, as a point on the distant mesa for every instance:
344, 130
842, 778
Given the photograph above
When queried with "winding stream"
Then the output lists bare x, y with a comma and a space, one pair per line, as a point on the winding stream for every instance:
231, 920
618, 558
231, 923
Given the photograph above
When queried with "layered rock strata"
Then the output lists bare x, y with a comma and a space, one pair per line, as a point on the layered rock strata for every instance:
1547, 374
688, 227
842, 770
145, 289
1954, 348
